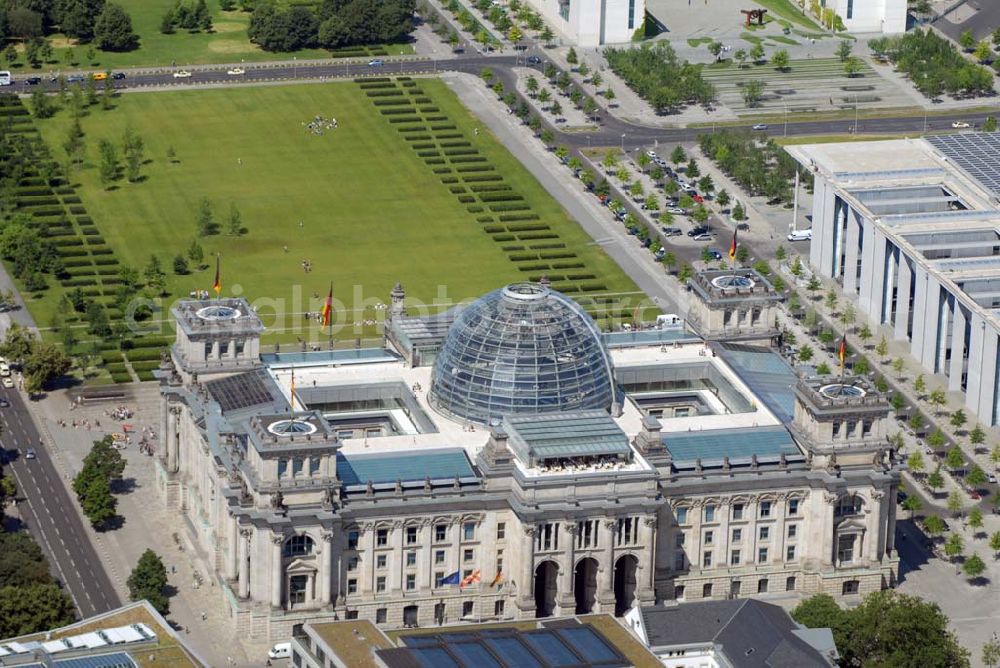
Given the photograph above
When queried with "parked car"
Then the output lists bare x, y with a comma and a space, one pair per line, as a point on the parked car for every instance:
705, 236
695, 231
698, 198
533, 60
633, 230
30, 454
4, 403
74, 78
235, 71
989, 476
33, 81
672, 231
652, 154
118, 75
376, 62
99, 76
801, 235
716, 255
677, 211
959, 125
182, 74
760, 126
7, 382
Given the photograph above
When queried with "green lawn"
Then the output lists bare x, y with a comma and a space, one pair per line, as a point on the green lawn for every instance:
372, 211
785, 9
227, 44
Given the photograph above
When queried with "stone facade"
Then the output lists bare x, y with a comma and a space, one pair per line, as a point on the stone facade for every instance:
263, 490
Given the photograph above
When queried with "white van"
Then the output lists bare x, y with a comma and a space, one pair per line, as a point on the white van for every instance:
281, 650
5, 78
669, 321
801, 235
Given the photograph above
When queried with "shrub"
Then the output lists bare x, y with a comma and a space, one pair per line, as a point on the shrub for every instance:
481, 178
509, 207
466, 199
513, 217
484, 219
428, 154
467, 158
451, 179
475, 168
457, 190
434, 161
501, 197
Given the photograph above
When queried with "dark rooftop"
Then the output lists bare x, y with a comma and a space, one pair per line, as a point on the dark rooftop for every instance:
752, 634
243, 390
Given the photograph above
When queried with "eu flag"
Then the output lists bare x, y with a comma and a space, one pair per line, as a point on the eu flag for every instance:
452, 579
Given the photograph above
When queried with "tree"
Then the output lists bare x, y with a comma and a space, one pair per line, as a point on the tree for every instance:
953, 459
45, 362
975, 519
740, 57
235, 220
546, 36
958, 419
935, 480
983, 52
781, 60
822, 611
148, 581
715, 48
937, 398
180, 265
865, 334
995, 542
133, 148
977, 436
515, 35
677, 156
915, 461
844, 50
171, 155
991, 652
722, 199
203, 221
113, 29
547, 137
805, 353
853, 66
156, 278
990, 124
934, 525
692, 169
976, 477
757, 52
196, 254
571, 56
109, 163
882, 349
544, 96
973, 566
531, 84
954, 503
823, 369
486, 74
737, 213
897, 366
753, 93
97, 502
912, 504
967, 40
33, 608
919, 384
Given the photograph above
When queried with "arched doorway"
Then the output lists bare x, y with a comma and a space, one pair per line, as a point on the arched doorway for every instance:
585, 585
625, 569
546, 586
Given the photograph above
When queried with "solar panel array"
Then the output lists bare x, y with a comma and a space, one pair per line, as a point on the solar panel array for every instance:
978, 154
240, 391
114, 660
580, 646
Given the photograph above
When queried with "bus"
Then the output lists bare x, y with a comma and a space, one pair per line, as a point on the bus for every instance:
5, 79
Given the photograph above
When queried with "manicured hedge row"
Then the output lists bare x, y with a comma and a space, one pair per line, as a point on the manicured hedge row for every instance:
503, 237
457, 190
78, 282
78, 263
501, 197
439, 118
511, 248
418, 147
434, 161
413, 128
568, 265
441, 127
467, 158
510, 207
139, 354
581, 277
489, 188
545, 246
417, 137
475, 168
95, 241
533, 267
139, 367
145, 376
70, 241
493, 229
89, 231
557, 256
451, 179
389, 91
152, 342
104, 261
72, 252
475, 209
528, 228
121, 378
404, 119
101, 250
482, 177
78, 210
524, 257
443, 170
461, 151
455, 144
532, 235
72, 199
396, 112
428, 154
466, 199
449, 135
390, 103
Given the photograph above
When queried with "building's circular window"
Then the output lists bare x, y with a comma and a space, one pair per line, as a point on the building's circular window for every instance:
841, 391
218, 312
291, 428
733, 282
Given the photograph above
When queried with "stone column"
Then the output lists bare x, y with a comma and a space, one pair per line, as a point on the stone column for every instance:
606, 571
244, 567
645, 586
891, 272
957, 366
827, 538
903, 298
326, 564
526, 579
170, 439
567, 598
851, 257
232, 548
277, 572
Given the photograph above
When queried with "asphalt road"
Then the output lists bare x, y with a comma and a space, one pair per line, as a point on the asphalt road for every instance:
47, 509
610, 133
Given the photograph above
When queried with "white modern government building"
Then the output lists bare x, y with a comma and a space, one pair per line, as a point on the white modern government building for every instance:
593, 22
557, 469
911, 229
870, 16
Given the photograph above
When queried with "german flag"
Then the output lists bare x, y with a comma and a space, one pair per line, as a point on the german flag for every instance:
498, 579
217, 283
842, 352
328, 308
732, 247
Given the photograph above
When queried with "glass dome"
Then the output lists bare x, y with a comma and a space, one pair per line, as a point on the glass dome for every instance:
522, 349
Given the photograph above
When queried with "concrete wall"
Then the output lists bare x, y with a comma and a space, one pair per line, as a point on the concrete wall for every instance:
593, 22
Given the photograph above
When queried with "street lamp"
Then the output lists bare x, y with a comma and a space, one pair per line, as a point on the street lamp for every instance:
785, 105
623, 142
